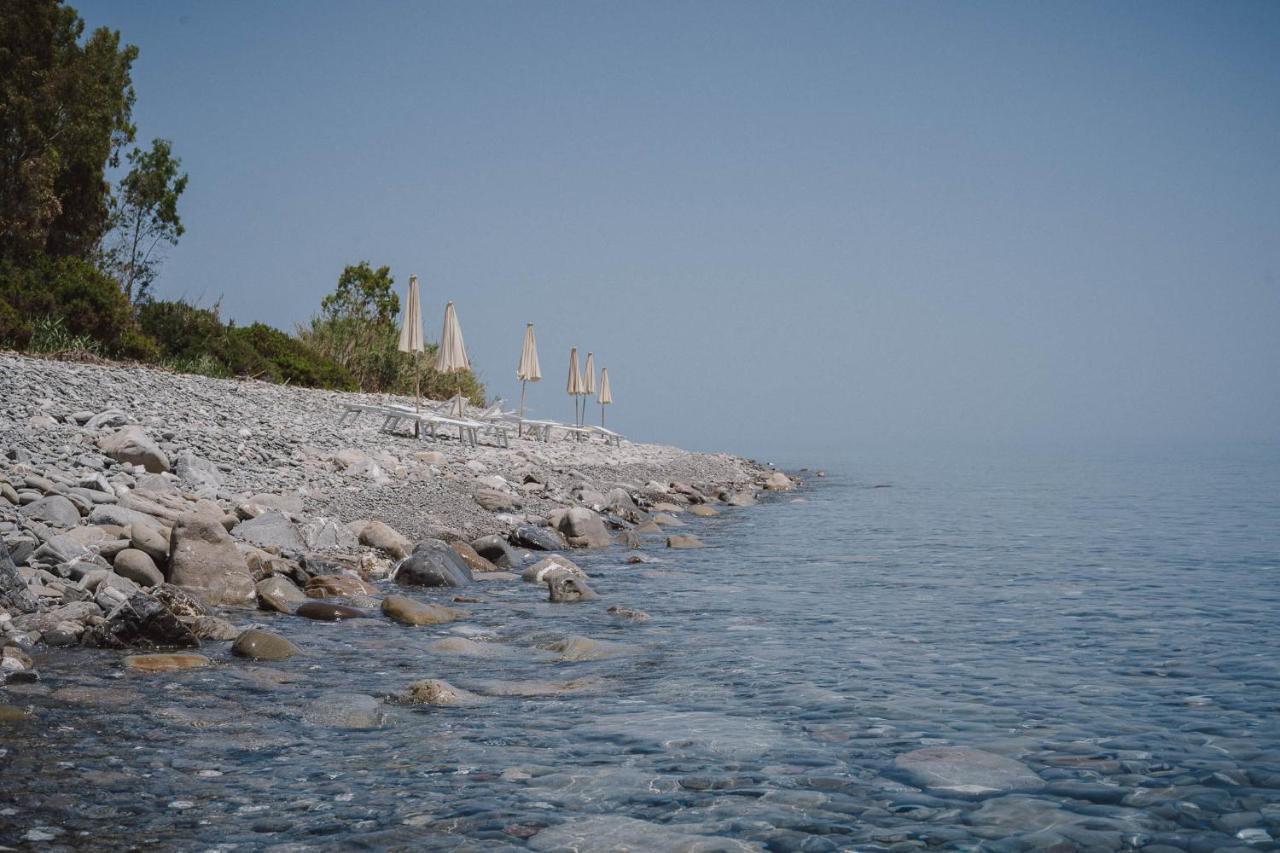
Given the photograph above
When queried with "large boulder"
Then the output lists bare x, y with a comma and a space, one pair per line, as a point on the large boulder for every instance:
340, 585
270, 530
324, 533
199, 475
437, 691
375, 534
143, 622
14, 595
132, 446
54, 510
496, 550
471, 557
203, 558
549, 565
778, 482
537, 538
433, 563
564, 588
138, 567
583, 528
279, 594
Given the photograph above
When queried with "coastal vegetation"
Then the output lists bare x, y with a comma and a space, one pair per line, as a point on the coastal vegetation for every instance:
81, 253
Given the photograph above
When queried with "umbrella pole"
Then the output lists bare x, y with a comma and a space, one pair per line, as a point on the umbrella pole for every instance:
417, 394
602, 415
520, 426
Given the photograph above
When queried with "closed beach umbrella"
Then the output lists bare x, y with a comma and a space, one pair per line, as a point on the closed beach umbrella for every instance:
452, 356
606, 393
588, 382
411, 340
528, 370
575, 383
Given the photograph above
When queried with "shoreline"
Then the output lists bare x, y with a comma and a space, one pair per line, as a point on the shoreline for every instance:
151, 511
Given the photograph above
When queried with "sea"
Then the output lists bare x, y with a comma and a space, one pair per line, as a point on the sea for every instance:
992, 649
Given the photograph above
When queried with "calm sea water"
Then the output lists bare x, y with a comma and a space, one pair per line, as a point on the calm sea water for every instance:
1109, 620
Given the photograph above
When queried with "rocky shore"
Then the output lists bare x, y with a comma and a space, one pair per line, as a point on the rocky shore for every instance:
152, 512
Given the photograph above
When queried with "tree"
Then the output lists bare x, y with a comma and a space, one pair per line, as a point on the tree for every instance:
363, 294
144, 214
65, 114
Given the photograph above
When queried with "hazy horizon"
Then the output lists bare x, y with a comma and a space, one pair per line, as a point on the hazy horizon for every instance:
785, 229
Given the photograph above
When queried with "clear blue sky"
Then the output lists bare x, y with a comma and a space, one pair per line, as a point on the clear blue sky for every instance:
783, 226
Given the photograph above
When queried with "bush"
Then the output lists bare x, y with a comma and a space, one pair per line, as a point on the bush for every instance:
66, 302
195, 340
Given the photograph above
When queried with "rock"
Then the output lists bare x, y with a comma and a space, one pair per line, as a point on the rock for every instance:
662, 519
266, 502
325, 533
204, 559
584, 648
112, 591
14, 595
138, 567
684, 541
433, 563
212, 628
199, 475
54, 510
345, 711
778, 482
279, 594
537, 538
165, 663
104, 420
14, 659
375, 534
143, 622
647, 527
326, 612
468, 555
430, 457
565, 589
551, 564
465, 647
436, 691
256, 644
741, 499
337, 586
583, 528
270, 530
494, 500
627, 614
407, 611
619, 833
966, 772
132, 446
703, 510
179, 602
151, 539
496, 550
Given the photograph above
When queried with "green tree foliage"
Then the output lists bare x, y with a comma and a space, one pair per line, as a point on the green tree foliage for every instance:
65, 112
144, 214
357, 329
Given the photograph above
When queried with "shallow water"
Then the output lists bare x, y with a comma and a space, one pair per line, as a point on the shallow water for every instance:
1109, 621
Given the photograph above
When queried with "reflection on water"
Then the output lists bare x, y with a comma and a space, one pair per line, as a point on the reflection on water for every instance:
1112, 626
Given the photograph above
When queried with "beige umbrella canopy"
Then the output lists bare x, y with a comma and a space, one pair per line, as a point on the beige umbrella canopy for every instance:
528, 370
411, 338
575, 384
452, 355
605, 397
588, 383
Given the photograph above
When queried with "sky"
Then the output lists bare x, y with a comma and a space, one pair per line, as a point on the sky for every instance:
786, 228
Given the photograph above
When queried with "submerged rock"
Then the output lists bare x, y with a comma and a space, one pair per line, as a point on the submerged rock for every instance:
165, 663
966, 772
327, 612
585, 648
565, 588
407, 611
345, 711
437, 691
142, 622
684, 541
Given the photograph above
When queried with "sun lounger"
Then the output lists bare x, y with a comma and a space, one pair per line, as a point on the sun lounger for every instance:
610, 437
